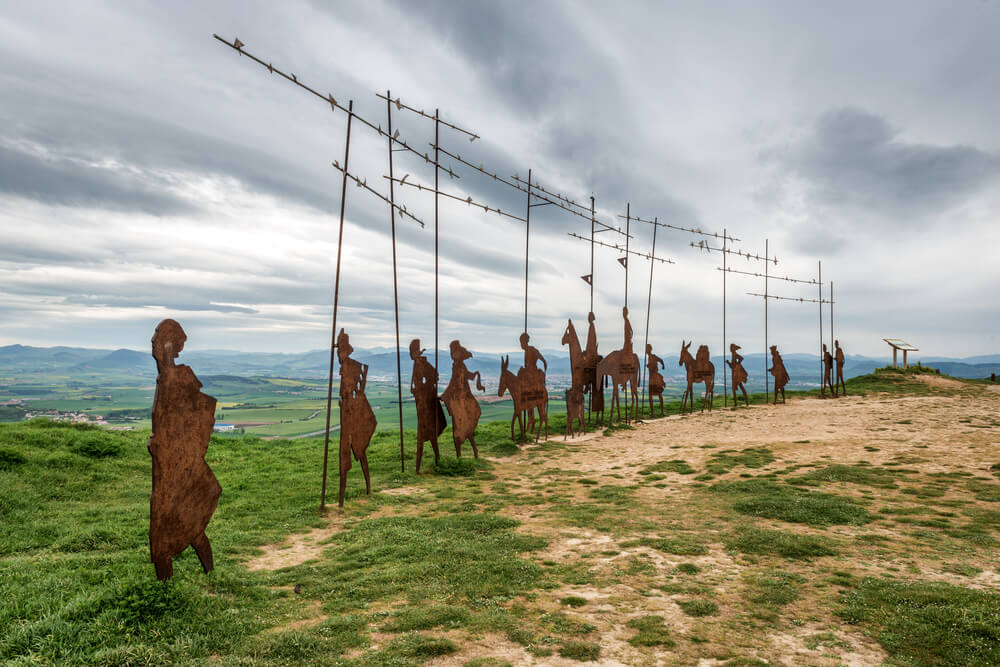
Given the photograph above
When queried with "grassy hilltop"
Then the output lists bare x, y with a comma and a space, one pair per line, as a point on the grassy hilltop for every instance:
703, 552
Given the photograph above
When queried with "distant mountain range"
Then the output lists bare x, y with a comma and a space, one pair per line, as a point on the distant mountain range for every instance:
804, 369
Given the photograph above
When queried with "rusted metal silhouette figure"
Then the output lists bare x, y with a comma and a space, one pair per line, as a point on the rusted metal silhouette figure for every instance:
656, 383
622, 366
739, 373
526, 400
357, 420
699, 369
777, 369
462, 405
574, 411
827, 372
185, 492
430, 415
592, 382
839, 358
584, 373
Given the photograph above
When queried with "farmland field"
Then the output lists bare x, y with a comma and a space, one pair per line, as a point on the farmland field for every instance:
859, 530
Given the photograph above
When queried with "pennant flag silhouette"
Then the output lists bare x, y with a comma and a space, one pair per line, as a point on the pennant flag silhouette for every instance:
589, 278
623, 261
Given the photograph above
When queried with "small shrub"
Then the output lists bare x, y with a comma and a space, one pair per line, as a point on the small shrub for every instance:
425, 618
582, 651
421, 647
96, 444
454, 467
688, 568
573, 601
652, 632
761, 541
698, 607
10, 458
140, 603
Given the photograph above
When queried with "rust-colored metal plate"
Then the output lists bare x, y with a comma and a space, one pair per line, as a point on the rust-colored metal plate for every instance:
574, 411
777, 369
583, 364
528, 391
839, 358
622, 366
431, 421
656, 382
700, 369
462, 405
828, 372
185, 492
739, 373
357, 420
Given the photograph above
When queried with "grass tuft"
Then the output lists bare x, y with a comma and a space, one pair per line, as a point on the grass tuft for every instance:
794, 546
652, 632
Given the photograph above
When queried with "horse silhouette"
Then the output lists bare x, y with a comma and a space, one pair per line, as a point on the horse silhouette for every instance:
584, 376
624, 372
700, 369
524, 406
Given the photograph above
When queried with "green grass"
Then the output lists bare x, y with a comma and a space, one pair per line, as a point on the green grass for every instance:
681, 545
78, 587
675, 465
855, 474
652, 632
582, 651
928, 623
698, 607
773, 500
427, 617
794, 546
573, 601
751, 457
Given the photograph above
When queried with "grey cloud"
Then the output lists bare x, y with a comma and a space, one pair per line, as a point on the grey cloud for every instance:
65, 182
853, 160
150, 150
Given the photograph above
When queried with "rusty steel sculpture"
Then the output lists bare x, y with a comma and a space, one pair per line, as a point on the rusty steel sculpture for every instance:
583, 365
430, 415
574, 411
777, 369
462, 405
528, 391
357, 420
656, 383
740, 375
827, 373
622, 366
839, 358
699, 369
185, 492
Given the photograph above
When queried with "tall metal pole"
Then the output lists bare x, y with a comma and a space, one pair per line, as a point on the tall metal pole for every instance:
628, 220
819, 279
592, 218
437, 166
649, 302
395, 292
767, 380
527, 235
831, 313
336, 297
725, 386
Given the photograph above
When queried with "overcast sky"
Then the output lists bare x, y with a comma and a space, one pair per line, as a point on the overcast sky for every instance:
148, 171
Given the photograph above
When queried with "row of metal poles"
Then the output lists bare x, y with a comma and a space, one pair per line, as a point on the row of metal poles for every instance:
536, 196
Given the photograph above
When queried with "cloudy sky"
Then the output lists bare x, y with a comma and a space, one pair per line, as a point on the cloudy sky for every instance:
147, 171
